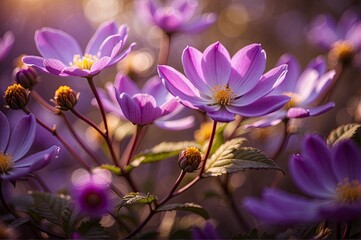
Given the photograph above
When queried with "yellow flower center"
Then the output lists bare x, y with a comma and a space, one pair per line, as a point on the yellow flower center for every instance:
348, 191
223, 95
341, 51
192, 154
294, 101
6, 162
204, 132
84, 62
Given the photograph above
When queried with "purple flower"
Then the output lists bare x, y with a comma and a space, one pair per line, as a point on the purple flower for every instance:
62, 55
6, 43
176, 15
151, 104
13, 164
331, 177
222, 86
208, 232
91, 191
341, 39
305, 90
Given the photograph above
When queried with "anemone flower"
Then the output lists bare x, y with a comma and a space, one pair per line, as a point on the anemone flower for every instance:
176, 15
342, 39
13, 164
151, 104
62, 55
331, 177
224, 87
305, 89
91, 191
6, 43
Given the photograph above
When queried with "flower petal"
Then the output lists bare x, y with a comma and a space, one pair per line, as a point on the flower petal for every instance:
77, 72
106, 29
321, 87
130, 108
222, 115
199, 24
271, 119
54, 66
22, 137
293, 72
4, 132
169, 106
321, 109
248, 64
53, 43
124, 84
260, 107
216, 65
38, 160
148, 108
106, 49
122, 55
191, 59
297, 112
99, 65
178, 124
35, 61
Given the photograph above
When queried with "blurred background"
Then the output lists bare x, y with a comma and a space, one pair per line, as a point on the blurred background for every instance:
278, 25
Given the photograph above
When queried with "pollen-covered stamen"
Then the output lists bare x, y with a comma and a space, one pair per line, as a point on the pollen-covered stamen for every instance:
341, 51
84, 62
6, 162
223, 95
348, 191
294, 101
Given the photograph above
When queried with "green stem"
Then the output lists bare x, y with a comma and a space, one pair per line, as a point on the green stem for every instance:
134, 144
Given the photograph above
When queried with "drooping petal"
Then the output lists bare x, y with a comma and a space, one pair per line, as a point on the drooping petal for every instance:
265, 85
38, 160
216, 65
321, 109
346, 161
22, 137
106, 29
35, 61
199, 24
260, 107
191, 59
53, 43
248, 64
222, 115
130, 108
4, 132
307, 178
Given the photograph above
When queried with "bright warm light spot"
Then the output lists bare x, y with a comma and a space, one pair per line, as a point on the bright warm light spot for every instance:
223, 95
99, 10
85, 62
348, 191
341, 51
6, 162
204, 132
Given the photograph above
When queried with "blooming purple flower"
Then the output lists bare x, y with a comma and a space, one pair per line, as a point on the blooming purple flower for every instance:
151, 104
91, 191
222, 86
331, 177
305, 90
342, 39
176, 15
13, 164
62, 55
6, 43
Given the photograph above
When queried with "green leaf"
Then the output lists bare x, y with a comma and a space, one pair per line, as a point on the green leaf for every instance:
50, 206
191, 207
231, 158
92, 230
69, 219
137, 197
161, 151
343, 132
113, 169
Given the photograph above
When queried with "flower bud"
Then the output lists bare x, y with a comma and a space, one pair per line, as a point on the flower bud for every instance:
26, 76
16, 96
65, 98
189, 159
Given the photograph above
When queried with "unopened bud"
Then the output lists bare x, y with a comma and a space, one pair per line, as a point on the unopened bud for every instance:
16, 96
189, 159
26, 76
65, 98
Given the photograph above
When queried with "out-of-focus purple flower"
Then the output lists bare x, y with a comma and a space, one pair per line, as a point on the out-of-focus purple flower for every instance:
6, 42
222, 86
305, 90
62, 55
151, 104
342, 40
13, 164
91, 191
176, 15
208, 232
331, 177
